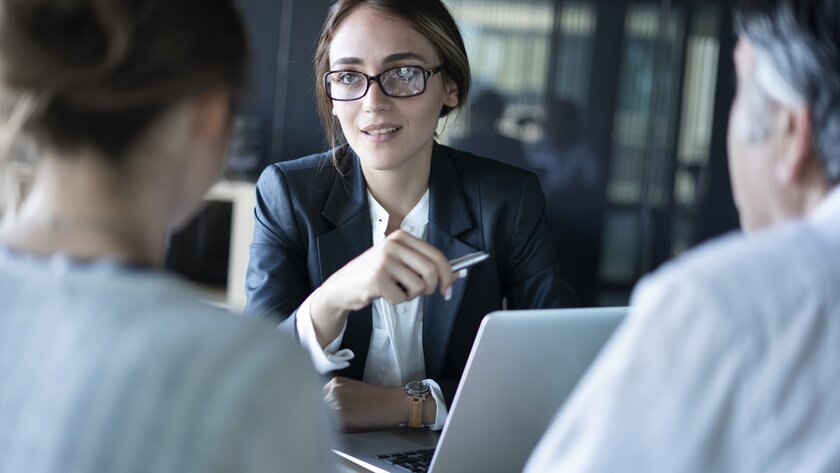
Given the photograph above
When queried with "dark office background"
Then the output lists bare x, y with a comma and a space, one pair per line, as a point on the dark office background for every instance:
621, 106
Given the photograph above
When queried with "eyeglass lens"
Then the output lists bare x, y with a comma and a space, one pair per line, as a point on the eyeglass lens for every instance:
398, 82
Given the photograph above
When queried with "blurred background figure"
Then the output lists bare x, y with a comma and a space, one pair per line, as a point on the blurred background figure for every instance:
572, 178
563, 156
483, 137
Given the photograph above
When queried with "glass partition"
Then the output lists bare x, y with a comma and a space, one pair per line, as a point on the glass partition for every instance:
613, 105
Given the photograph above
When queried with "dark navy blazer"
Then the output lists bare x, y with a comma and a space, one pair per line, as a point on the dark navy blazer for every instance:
312, 219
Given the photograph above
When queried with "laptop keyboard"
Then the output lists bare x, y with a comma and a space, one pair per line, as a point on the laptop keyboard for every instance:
416, 461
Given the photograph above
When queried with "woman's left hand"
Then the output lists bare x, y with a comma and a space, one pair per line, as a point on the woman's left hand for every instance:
357, 405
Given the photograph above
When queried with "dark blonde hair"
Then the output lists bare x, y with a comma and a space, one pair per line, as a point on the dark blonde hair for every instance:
101, 71
431, 18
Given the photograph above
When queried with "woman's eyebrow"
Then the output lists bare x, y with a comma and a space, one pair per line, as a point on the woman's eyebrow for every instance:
347, 61
403, 56
391, 58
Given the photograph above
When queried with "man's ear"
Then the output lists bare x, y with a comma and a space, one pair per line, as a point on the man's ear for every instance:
211, 112
797, 147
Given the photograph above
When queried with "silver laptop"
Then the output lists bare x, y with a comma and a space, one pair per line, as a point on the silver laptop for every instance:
521, 368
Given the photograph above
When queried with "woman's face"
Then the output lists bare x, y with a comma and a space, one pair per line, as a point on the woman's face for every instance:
388, 133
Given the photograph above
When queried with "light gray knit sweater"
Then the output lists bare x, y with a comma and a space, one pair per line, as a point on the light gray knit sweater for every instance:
109, 369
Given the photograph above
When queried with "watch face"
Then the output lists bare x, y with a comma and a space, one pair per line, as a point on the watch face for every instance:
417, 387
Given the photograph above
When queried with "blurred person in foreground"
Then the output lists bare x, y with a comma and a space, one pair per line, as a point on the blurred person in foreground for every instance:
729, 358
106, 363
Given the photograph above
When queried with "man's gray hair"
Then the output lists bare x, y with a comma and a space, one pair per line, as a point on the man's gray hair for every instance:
798, 47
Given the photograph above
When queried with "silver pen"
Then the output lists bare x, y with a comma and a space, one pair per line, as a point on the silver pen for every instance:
468, 260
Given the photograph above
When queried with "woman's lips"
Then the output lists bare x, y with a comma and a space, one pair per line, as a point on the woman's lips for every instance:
380, 133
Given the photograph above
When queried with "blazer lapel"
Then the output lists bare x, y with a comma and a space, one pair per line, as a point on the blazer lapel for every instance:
347, 209
448, 218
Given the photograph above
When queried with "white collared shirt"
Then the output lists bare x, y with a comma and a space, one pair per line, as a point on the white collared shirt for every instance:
395, 354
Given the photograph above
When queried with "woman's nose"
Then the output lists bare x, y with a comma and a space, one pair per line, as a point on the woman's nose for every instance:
375, 100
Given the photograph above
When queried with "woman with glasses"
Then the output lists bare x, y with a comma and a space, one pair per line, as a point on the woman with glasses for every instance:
351, 246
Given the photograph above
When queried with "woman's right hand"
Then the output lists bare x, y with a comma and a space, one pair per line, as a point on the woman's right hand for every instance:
398, 269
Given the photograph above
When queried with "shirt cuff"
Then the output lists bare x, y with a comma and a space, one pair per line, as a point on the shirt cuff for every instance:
442, 411
328, 358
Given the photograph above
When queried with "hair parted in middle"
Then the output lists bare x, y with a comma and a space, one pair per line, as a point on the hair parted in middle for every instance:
431, 18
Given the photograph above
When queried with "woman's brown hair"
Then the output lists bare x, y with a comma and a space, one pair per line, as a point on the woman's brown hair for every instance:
99, 72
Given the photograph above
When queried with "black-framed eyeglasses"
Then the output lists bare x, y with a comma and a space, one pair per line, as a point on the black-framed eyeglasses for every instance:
399, 82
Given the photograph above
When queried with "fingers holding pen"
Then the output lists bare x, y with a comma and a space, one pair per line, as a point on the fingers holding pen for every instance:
419, 266
400, 268
427, 261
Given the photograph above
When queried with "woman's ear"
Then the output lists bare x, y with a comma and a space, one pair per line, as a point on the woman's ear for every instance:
450, 88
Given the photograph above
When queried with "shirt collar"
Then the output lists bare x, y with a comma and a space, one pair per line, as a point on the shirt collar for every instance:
414, 223
419, 215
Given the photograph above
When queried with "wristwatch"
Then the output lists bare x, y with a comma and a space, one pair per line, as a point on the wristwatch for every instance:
416, 392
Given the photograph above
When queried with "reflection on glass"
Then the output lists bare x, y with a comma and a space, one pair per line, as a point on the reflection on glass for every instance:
576, 32
640, 77
698, 100
509, 45
643, 135
483, 137
645, 114
571, 175
691, 175
619, 258
507, 42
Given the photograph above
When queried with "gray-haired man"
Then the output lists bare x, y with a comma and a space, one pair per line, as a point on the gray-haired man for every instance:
730, 358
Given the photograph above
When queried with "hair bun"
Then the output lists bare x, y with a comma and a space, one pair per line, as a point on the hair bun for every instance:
59, 48
100, 71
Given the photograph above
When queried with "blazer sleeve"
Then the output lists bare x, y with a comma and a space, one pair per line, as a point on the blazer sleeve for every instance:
534, 279
277, 281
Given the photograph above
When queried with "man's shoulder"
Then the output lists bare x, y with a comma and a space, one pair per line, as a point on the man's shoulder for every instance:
736, 253
738, 270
